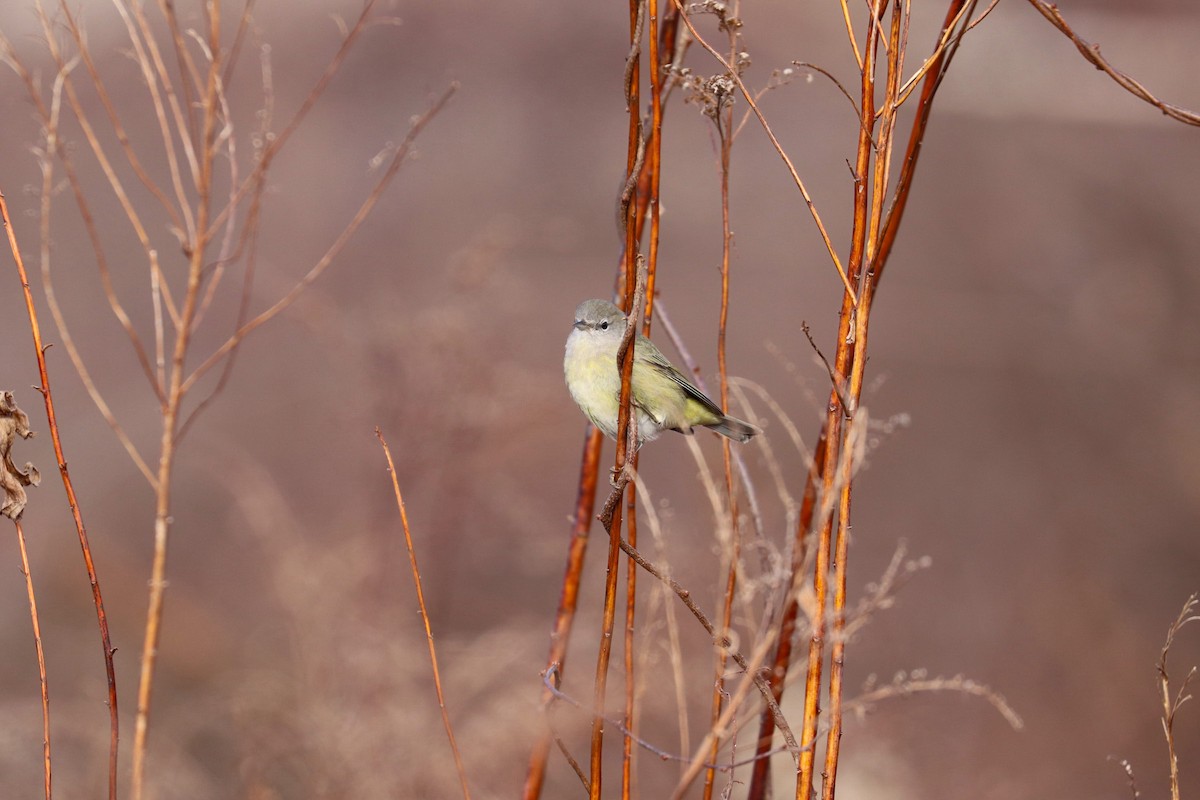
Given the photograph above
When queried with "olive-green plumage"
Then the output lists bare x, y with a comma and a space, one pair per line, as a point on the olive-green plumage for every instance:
663, 397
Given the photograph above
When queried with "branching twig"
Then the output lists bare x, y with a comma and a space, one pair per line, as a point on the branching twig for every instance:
364, 210
907, 684
1171, 705
721, 640
69, 487
812, 208
1091, 52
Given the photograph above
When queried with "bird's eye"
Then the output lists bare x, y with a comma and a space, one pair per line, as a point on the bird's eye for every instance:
604, 325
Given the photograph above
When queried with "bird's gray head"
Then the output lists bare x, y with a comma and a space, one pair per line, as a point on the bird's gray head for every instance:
599, 316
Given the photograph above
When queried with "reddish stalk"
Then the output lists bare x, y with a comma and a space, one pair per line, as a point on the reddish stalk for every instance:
637, 15
916, 137
760, 775
590, 460
76, 514
894, 48
611, 518
585, 504
416, 571
630, 675
723, 119
835, 415
41, 655
652, 172
625, 359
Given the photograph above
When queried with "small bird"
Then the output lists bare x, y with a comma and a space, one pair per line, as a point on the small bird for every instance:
663, 397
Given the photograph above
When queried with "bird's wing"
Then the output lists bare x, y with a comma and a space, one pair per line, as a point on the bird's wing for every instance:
650, 354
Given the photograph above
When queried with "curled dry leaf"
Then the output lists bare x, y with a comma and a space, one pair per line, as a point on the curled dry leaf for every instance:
13, 422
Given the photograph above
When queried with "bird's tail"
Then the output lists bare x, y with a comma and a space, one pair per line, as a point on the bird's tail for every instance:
736, 429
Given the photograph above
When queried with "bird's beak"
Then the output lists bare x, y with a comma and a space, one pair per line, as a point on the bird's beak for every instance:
580, 325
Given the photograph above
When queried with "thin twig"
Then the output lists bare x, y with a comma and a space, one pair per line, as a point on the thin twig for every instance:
1091, 52
1172, 705
622, 470
549, 679
590, 461
905, 685
63, 66
172, 407
412, 560
41, 655
723, 119
585, 501
812, 208
721, 640
310, 100
335, 249
76, 514
51, 116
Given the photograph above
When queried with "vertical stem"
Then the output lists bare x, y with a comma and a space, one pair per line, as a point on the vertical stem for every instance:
724, 120
760, 779
172, 406
916, 137
69, 487
630, 615
585, 504
846, 348
882, 165
589, 469
647, 197
41, 656
623, 419
416, 572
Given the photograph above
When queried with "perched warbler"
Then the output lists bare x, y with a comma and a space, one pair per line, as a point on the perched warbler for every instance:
662, 396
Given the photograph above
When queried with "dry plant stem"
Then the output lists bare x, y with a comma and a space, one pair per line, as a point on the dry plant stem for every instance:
50, 121
722, 726
916, 136
611, 515
1171, 704
314, 94
1091, 52
672, 644
118, 191
172, 406
634, 167
890, 225
812, 208
41, 655
76, 514
562, 748
113, 119
650, 174
590, 460
629, 664
836, 409
895, 56
585, 502
863, 703
658, 752
412, 560
721, 640
335, 249
180, 385
724, 123
760, 776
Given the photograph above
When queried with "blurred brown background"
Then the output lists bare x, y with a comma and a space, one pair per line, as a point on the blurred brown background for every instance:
1037, 324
